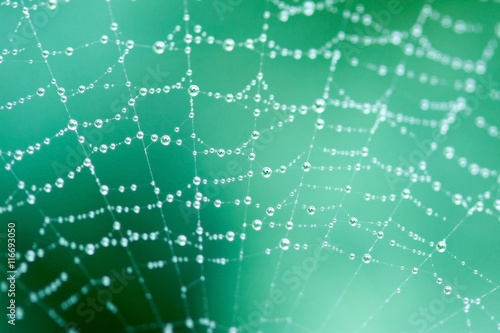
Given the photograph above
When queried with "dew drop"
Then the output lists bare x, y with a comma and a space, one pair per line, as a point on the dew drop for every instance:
159, 47
72, 124
367, 258
284, 244
266, 172
104, 190
90, 249
319, 105
228, 45
165, 140
319, 124
193, 90
441, 246
257, 225
181, 240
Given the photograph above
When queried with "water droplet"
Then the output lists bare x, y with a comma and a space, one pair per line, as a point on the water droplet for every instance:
104, 189
72, 124
181, 240
306, 166
52, 4
193, 90
30, 255
447, 290
106, 281
309, 7
319, 124
353, 221
228, 45
31, 199
257, 224
40, 92
289, 225
59, 182
319, 105
230, 236
90, 249
159, 47
284, 244
18, 155
311, 210
270, 211
200, 259
266, 172
449, 152
69, 51
165, 140
441, 246
367, 258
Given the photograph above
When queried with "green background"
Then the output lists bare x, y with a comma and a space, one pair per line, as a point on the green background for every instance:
313, 291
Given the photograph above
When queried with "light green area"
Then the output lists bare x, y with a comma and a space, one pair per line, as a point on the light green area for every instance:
245, 280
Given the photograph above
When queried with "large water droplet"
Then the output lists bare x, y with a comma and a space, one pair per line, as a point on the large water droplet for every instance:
367, 258
257, 224
266, 172
165, 140
319, 105
159, 47
193, 90
284, 244
228, 45
441, 246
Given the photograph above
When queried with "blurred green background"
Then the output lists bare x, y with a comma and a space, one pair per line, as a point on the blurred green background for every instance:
141, 277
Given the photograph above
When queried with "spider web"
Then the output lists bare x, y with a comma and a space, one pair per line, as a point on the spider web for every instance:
251, 166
